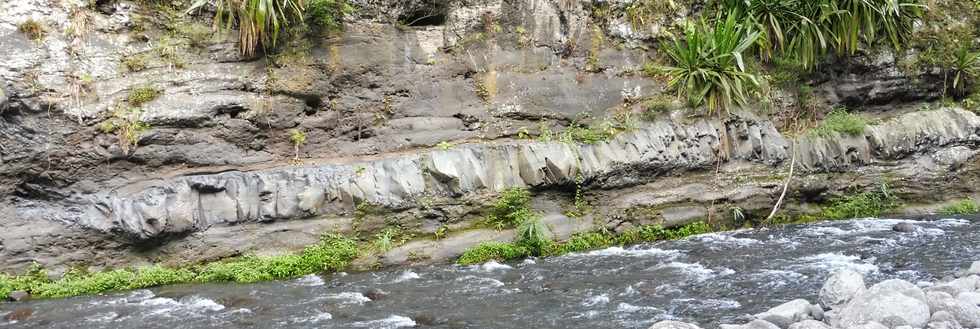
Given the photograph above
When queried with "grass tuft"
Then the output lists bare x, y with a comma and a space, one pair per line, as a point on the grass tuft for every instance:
962, 207
839, 121
34, 30
142, 95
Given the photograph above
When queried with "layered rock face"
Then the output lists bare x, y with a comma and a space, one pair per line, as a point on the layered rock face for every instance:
213, 175
148, 210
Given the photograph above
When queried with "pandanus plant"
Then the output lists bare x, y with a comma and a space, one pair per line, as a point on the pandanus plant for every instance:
259, 21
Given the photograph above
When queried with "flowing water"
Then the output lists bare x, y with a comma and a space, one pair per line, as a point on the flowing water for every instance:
708, 279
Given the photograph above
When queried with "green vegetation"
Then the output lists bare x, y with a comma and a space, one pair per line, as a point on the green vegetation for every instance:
806, 31
512, 208
33, 29
332, 253
259, 22
444, 145
126, 124
134, 63
643, 12
326, 15
962, 207
964, 70
142, 95
501, 251
297, 138
839, 121
385, 240
708, 64
488, 251
866, 204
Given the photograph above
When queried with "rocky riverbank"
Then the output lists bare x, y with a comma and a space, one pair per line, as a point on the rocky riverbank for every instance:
845, 301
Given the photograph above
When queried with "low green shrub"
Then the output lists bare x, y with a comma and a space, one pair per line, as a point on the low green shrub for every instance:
839, 121
512, 208
332, 253
861, 205
142, 95
962, 207
488, 251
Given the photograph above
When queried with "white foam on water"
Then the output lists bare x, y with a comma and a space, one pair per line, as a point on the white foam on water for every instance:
349, 298
394, 321
710, 303
311, 280
494, 266
834, 261
824, 231
630, 291
201, 303
949, 222
725, 238
630, 252
407, 275
528, 261
102, 317
319, 316
696, 270
630, 308
596, 300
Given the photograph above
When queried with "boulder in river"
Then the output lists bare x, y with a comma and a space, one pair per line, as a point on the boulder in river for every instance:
904, 227
968, 315
809, 324
840, 288
795, 310
19, 314
673, 325
969, 297
901, 286
886, 300
974, 268
869, 325
18, 296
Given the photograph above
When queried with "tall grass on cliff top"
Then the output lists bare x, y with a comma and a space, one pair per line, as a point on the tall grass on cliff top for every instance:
332, 253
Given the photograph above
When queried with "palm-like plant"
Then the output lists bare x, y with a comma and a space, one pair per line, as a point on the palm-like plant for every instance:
965, 67
708, 64
259, 21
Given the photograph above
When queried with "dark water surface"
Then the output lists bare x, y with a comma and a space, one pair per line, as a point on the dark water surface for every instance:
705, 279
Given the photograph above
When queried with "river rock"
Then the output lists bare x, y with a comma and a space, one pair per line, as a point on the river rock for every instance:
942, 316
966, 314
778, 320
974, 268
904, 227
893, 322
795, 310
3, 99
901, 286
869, 325
19, 314
840, 288
966, 284
17, 296
673, 325
943, 325
375, 294
972, 298
880, 304
809, 324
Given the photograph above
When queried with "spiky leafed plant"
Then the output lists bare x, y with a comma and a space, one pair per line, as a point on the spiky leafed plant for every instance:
708, 66
259, 21
964, 69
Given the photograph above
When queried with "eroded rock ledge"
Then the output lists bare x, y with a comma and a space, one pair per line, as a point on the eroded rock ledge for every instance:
172, 206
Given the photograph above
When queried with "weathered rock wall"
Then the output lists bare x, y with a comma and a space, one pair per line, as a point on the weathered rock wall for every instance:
212, 177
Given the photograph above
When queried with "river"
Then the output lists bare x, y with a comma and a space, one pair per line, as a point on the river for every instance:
707, 279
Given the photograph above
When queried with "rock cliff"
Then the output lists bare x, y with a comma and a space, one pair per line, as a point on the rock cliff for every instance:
213, 174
